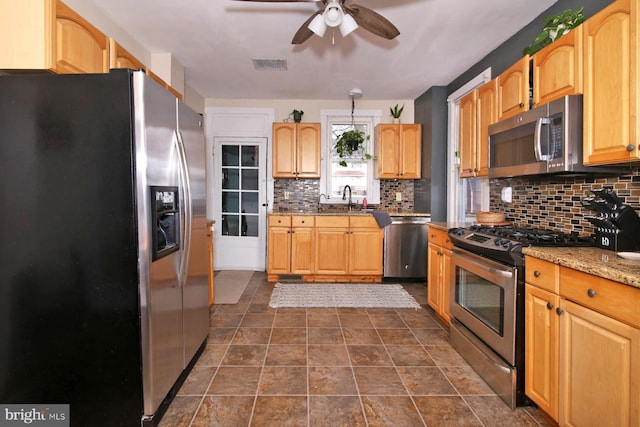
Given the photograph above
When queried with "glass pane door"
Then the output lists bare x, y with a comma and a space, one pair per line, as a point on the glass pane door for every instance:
240, 190
483, 299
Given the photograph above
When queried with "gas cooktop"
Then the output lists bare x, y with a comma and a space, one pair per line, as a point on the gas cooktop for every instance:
505, 243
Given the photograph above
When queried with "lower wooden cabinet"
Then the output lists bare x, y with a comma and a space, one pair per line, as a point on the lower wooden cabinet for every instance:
325, 248
582, 346
438, 272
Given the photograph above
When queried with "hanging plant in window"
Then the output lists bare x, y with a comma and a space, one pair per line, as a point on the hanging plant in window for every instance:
351, 142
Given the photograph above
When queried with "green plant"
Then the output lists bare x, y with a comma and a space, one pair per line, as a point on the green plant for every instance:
555, 27
395, 111
350, 142
297, 115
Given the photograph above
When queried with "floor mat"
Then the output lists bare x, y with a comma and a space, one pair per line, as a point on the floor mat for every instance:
229, 285
341, 295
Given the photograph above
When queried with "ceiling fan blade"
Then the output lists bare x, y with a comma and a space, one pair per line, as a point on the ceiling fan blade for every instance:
304, 32
372, 21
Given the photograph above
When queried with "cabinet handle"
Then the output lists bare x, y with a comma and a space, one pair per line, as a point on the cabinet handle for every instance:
536, 273
549, 305
591, 293
559, 311
521, 104
630, 147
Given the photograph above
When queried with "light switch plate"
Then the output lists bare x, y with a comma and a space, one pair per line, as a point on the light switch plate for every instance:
398, 196
506, 195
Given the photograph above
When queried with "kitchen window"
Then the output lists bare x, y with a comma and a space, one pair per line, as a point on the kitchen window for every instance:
359, 172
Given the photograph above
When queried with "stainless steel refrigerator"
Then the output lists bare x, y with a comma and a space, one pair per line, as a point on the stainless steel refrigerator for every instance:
103, 302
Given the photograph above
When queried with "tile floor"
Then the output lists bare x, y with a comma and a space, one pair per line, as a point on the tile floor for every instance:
334, 367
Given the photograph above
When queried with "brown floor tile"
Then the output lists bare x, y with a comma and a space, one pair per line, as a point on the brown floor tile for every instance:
420, 320
493, 412
445, 355
335, 411
390, 411
410, 355
378, 381
397, 336
224, 411
387, 321
331, 380
280, 411
290, 320
425, 381
432, 336
212, 355
220, 335
355, 321
197, 381
446, 411
252, 336
327, 355
286, 355
361, 336
369, 355
181, 411
288, 336
325, 336
225, 320
232, 380
246, 355
283, 380
323, 320
260, 320
466, 380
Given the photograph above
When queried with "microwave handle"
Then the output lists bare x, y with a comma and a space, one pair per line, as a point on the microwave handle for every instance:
537, 146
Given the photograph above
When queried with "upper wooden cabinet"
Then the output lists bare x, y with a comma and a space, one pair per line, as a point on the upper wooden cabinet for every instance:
513, 89
558, 68
398, 151
296, 150
611, 85
119, 57
48, 35
478, 110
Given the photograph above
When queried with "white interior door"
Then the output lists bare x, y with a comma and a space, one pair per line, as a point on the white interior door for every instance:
240, 203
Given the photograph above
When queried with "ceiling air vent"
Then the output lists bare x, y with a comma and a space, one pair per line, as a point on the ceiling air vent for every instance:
270, 64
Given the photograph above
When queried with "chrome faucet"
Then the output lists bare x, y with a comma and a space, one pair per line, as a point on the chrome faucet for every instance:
344, 195
320, 201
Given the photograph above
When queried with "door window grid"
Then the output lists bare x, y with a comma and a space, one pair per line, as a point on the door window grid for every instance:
240, 190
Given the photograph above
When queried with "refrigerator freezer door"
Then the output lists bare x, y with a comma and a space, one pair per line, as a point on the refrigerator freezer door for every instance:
196, 290
157, 164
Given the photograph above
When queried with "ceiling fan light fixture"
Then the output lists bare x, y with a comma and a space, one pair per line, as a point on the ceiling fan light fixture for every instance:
333, 14
318, 26
348, 25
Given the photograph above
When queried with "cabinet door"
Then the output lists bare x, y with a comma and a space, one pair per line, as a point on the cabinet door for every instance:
279, 250
284, 150
119, 57
486, 114
308, 150
611, 122
468, 135
365, 251
302, 250
410, 148
387, 150
80, 47
557, 68
513, 89
332, 251
434, 277
445, 306
541, 348
599, 369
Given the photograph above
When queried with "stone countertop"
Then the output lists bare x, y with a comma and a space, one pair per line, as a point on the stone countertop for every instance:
444, 226
350, 213
596, 261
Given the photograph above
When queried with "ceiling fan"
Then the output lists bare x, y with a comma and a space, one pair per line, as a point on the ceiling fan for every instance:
336, 14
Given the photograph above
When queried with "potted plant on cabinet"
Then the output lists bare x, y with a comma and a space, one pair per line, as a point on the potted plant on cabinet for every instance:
396, 112
350, 142
555, 27
297, 115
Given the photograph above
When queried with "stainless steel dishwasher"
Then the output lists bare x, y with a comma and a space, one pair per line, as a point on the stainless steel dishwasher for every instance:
405, 247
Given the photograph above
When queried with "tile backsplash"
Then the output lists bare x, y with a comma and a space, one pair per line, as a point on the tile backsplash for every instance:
554, 201
304, 194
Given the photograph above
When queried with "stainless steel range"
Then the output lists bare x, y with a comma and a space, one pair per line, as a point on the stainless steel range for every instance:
487, 300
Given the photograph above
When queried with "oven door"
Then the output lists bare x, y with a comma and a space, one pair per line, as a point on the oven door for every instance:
483, 299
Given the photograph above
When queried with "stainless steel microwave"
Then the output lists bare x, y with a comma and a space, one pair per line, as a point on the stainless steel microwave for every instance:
544, 140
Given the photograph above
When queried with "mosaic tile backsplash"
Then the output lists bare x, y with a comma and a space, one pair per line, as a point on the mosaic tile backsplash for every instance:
304, 194
554, 201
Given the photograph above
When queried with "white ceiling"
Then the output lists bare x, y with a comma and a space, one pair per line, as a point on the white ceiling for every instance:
216, 41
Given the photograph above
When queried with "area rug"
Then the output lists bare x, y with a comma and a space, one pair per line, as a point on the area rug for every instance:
229, 285
341, 295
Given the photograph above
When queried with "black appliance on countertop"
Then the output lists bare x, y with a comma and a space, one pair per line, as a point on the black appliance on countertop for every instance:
487, 300
617, 226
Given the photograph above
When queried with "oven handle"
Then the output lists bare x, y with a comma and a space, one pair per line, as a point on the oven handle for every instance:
501, 274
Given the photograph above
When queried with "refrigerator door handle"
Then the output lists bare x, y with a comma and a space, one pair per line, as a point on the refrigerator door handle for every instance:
186, 190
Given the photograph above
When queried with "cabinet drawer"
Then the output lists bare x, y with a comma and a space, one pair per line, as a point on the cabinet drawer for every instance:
543, 274
363, 221
302, 221
440, 238
605, 296
279, 220
332, 221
